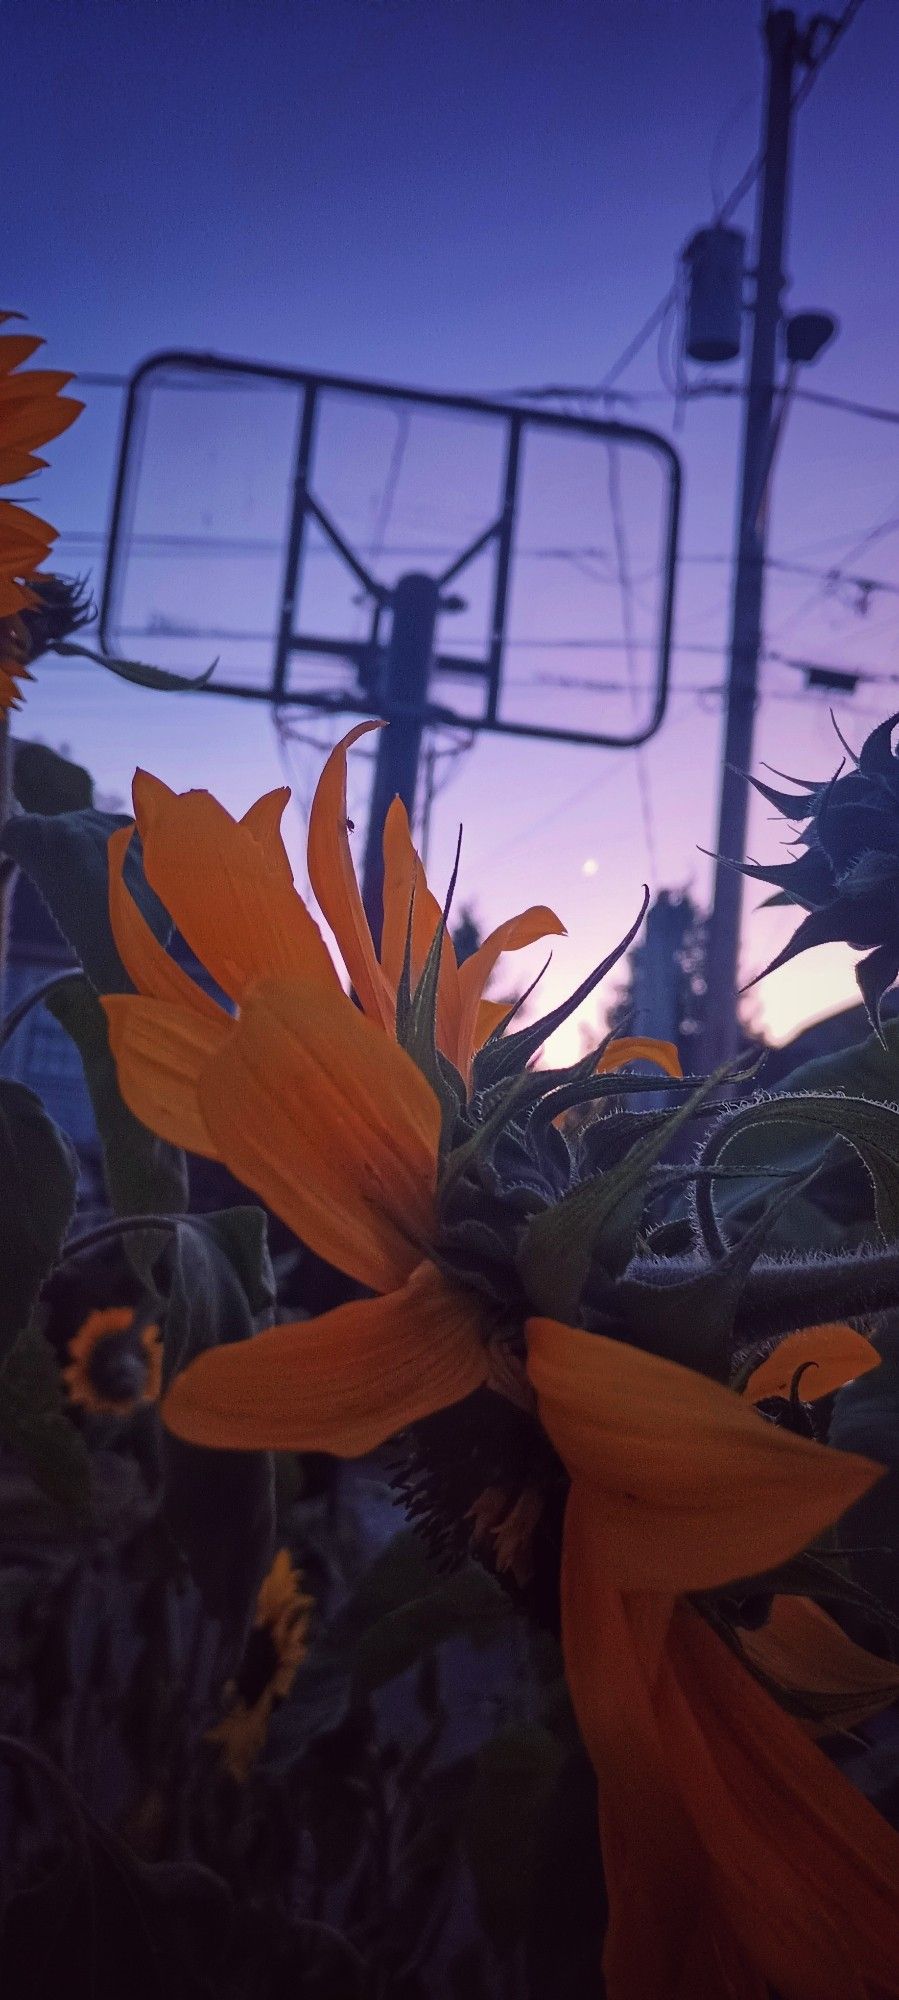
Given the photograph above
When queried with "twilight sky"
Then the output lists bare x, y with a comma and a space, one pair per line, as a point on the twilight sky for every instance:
472, 197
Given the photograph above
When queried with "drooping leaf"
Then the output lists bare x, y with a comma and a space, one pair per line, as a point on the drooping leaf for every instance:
65, 856
34, 1424
138, 671
143, 1173
515, 1773
45, 782
219, 1505
38, 1178
866, 1420
468, 1604
795, 1128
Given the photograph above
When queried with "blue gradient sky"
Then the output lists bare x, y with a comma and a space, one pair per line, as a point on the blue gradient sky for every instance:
471, 197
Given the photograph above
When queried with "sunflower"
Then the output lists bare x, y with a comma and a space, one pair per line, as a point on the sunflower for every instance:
673, 1485
275, 1649
32, 412
239, 912
115, 1362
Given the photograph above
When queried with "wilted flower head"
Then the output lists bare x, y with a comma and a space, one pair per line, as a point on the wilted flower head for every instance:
847, 875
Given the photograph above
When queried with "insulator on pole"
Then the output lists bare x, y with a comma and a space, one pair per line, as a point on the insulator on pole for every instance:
714, 260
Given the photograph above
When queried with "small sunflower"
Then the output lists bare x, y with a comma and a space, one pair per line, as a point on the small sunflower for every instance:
115, 1362
32, 411
274, 1650
60, 607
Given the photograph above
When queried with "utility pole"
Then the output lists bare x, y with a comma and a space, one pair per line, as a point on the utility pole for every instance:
403, 686
785, 47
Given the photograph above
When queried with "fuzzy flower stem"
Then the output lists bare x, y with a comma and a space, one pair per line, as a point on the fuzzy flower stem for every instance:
779, 1297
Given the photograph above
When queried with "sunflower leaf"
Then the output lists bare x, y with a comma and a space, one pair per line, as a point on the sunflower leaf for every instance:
34, 1424
65, 856
143, 1173
815, 1119
515, 1773
38, 1179
219, 1505
45, 782
866, 1420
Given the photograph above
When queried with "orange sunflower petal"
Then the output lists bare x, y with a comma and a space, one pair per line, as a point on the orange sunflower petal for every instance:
513, 935
694, 1488
403, 874
805, 1868
18, 463
263, 821
807, 1652
490, 1015
16, 348
14, 597
640, 1048
653, 1864
226, 891
341, 1383
20, 528
37, 385
332, 1124
159, 1053
828, 1356
146, 961
30, 422
336, 890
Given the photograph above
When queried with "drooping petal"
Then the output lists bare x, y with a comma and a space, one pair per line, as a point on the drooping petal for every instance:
160, 1051
225, 891
332, 1124
659, 1941
146, 961
334, 884
639, 1048
805, 1868
828, 1357
474, 974
406, 889
807, 1652
694, 1488
341, 1383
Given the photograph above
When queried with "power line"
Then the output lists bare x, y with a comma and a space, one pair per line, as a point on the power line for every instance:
882, 413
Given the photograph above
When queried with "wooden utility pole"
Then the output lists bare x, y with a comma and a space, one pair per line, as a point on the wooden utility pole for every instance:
785, 46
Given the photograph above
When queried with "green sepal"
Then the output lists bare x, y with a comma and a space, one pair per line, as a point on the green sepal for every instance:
417, 1034
598, 1221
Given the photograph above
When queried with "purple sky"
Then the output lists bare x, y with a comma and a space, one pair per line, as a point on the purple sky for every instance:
475, 198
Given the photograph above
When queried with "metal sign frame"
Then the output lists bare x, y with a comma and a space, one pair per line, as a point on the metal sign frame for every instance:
500, 532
